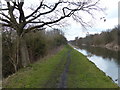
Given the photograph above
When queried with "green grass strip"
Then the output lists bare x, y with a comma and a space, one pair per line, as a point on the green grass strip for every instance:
46, 73
42, 74
84, 74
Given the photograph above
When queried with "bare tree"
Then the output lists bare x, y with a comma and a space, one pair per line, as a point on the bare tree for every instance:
45, 14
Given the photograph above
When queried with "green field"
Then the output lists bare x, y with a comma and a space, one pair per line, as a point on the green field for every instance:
46, 73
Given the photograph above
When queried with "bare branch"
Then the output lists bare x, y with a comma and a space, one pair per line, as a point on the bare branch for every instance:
7, 25
4, 9
22, 16
89, 13
35, 10
5, 20
91, 5
5, 15
51, 22
40, 19
45, 12
80, 20
11, 9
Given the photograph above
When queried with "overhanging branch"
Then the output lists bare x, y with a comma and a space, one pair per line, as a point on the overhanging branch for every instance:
35, 10
45, 12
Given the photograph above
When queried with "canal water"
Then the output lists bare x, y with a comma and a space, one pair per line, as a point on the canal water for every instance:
106, 60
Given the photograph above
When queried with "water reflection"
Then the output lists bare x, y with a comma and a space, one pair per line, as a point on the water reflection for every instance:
104, 59
103, 52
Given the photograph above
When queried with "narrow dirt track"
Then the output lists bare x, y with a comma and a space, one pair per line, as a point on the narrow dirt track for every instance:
63, 77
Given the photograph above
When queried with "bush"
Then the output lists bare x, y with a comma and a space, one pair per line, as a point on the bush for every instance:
38, 44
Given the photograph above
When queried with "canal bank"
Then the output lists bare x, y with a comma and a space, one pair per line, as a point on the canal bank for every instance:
78, 71
104, 59
109, 46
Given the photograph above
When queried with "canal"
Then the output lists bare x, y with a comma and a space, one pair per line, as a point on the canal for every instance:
106, 60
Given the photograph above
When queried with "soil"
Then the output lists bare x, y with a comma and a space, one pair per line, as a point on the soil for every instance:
63, 77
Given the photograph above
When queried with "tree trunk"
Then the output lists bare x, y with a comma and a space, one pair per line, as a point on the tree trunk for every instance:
15, 67
22, 53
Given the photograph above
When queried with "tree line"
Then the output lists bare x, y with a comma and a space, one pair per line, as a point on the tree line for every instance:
102, 39
38, 44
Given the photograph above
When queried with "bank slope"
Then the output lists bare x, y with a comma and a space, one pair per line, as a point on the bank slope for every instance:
47, 72
84, 74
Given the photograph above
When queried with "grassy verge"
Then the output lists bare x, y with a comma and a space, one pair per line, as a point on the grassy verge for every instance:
44, 73
84, 74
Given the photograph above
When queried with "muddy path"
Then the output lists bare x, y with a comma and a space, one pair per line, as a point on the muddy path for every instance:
58, 78
63, 78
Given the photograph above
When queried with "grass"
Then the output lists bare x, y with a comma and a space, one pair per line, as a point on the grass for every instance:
84, 74
39, 75
46, 73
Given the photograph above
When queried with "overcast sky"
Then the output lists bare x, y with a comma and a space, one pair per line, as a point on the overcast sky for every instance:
75, 29
111, 15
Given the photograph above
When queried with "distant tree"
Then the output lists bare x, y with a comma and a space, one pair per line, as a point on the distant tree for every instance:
105, 37
45, 14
